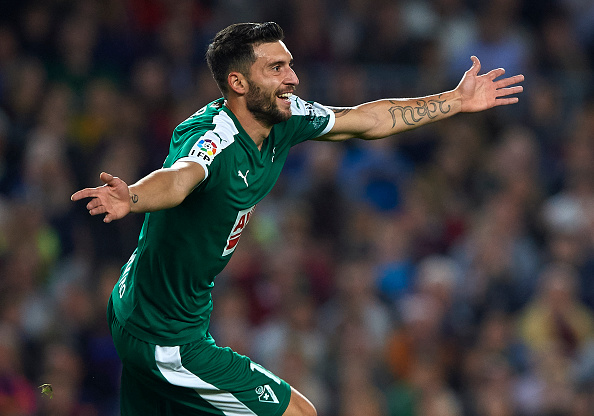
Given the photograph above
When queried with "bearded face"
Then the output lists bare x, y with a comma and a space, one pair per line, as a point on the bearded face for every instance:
263, 105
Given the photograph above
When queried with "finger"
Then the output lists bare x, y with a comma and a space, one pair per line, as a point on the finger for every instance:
509, 91
509, 81
495, 73
476, 65
506, 101
106, 177
83, 193
108, 218
98, 210
94, 203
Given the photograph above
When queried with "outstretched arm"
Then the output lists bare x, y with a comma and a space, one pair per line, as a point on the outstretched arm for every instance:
383, 118
161, 189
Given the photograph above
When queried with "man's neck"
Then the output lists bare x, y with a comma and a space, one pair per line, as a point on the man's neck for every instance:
253, 127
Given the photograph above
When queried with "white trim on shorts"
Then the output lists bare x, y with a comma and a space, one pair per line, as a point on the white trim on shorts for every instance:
169, 363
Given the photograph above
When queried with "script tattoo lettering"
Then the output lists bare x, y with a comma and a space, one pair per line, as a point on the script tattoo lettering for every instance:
412, 115
134, 198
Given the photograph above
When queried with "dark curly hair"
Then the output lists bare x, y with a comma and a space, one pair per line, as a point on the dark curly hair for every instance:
232, 49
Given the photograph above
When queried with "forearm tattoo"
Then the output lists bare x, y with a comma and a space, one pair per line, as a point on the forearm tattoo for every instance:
413, 115
134, 198
340, 111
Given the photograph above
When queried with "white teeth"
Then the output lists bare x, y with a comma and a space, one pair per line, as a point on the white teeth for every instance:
286, 95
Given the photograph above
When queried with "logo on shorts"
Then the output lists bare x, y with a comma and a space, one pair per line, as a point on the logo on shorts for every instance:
207, 146
266, 394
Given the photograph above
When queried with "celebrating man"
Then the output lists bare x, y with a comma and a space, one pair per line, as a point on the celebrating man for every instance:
222, 161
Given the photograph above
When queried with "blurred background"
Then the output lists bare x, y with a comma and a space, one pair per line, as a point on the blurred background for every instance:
447, 271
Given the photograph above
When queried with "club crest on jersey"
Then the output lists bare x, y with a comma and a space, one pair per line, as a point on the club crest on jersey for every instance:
241, 221
314, 115
266, 394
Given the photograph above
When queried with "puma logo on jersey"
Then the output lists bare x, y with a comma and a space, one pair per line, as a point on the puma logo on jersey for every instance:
244, 177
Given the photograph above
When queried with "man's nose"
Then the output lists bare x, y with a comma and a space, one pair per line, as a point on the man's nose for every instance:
292, 77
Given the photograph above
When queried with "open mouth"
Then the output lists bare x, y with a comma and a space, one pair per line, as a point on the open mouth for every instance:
286, 96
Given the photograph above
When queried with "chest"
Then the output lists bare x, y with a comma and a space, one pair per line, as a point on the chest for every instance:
244, 176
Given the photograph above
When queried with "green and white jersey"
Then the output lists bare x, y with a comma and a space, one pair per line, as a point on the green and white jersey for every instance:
163, 295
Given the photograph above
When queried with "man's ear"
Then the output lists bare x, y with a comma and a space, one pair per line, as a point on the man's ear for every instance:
237, 82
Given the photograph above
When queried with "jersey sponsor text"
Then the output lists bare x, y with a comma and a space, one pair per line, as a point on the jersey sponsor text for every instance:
243, 217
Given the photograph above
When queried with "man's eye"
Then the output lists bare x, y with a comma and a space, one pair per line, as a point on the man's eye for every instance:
276, 68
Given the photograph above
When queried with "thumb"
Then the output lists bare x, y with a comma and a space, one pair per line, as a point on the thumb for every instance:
106, 177
476, 65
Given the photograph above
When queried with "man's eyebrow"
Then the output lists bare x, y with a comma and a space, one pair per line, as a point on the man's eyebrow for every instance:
281, 62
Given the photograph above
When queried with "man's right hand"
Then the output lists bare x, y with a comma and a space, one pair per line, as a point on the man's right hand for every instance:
111, 199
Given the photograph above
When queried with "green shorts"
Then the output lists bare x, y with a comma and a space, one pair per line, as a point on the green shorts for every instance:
198, 378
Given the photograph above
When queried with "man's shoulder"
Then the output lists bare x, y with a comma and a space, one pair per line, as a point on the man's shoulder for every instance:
303, 108
204, 117
210, 120
308, 118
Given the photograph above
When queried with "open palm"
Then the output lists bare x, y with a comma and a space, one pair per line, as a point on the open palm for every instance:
480, 92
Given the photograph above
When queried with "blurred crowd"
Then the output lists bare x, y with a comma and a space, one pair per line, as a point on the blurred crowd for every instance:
445, 271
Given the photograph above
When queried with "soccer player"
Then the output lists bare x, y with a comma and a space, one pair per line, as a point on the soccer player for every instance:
222, 161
